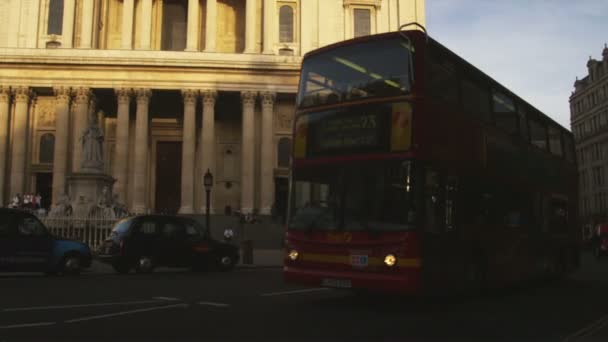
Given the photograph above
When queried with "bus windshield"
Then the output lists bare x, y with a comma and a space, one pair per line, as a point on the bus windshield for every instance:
361, 197
356, 71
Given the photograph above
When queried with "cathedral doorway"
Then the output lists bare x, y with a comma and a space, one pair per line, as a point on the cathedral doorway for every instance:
281, 194
168, 176
44, 187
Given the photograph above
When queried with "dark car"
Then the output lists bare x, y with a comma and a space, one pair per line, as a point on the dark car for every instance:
145, 242
27, 246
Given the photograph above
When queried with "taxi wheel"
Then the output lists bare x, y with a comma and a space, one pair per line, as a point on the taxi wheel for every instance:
144, 265
71, 265
226, 262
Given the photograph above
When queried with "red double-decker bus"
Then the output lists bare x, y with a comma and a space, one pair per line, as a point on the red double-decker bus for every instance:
415, 172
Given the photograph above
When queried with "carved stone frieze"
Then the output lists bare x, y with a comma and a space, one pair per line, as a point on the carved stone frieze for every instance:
45, 112
284, 118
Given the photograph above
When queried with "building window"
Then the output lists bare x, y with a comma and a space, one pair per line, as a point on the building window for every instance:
286, 20
175, 21
538, 133
284, 152
363, 22
46, 152
55, 23
555, 140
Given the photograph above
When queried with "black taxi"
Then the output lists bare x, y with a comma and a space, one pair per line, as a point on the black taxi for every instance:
144, 242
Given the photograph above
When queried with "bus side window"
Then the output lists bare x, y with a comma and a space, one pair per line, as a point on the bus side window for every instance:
435, 208
450, 203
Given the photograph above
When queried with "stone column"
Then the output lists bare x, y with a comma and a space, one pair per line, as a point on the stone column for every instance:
250, 26
68, 23
82, 97
193, 29
210, 26
269, 31
349, 24
20, 128
5, 96
62, 127
127, 24
140, 175
121, 161
86, 31
146, 25
188, 151
248, 152
208, 141
267, 166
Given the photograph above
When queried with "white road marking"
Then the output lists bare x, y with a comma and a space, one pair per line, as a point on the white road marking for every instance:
122, 313
52, 307
27, 325
166, 298
588, 330
294, 292
219, 305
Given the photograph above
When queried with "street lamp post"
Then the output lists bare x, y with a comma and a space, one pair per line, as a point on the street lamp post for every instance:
208, 182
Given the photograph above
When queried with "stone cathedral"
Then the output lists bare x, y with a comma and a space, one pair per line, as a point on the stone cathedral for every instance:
178, 87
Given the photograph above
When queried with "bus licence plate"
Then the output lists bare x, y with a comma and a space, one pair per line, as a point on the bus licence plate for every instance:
339, 283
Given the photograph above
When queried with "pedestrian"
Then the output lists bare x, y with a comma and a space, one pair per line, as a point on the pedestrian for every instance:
38, 201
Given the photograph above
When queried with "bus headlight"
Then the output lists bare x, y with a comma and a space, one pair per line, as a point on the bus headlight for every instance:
390, 260
292, 255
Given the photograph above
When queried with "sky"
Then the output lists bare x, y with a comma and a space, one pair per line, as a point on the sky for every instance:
535, 48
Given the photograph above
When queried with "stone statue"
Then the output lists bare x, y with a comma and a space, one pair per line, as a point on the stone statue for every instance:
92, 146
63, 207
120, 209
103, 209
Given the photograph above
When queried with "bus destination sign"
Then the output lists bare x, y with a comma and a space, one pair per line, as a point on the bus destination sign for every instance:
346, 132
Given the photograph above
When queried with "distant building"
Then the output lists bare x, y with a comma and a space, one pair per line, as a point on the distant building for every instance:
589, 122
182, 86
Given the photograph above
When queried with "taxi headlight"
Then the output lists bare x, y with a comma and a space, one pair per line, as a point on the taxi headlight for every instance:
292, 255
390, 260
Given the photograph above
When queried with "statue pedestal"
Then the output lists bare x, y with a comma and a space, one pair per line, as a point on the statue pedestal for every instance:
86, 188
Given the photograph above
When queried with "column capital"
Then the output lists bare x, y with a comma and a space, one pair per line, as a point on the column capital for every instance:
22, 94
81, 95
248, 97
62, 94
123, 95
5, 93
209, 96
268, 98
143, 95
190, 96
